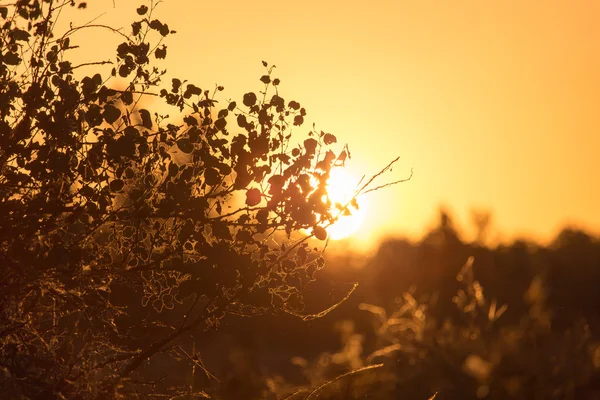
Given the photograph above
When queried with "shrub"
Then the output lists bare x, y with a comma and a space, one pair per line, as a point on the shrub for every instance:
125, 231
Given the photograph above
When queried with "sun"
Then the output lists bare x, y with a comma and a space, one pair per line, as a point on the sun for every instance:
340, 187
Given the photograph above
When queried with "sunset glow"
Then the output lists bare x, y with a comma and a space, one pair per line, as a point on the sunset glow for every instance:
482, 99
293, 200
341, 187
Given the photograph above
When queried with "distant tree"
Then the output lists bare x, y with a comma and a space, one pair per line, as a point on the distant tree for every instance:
482, 221
124, 231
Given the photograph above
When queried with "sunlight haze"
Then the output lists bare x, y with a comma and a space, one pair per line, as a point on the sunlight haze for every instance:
494, 105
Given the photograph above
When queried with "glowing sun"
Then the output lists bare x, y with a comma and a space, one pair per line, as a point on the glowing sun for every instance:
340, 187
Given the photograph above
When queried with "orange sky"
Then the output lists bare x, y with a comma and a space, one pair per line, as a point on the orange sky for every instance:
495, 104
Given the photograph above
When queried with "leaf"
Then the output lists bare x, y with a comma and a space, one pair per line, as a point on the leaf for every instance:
276, 182
164, 30
173, 169
211, 176
266, 79
124, 71
116, 185
65, 67
126, 146
127, 97
185, 145
97, 78
224, 169
220, 124
320, 232
123, 49
249, 99
11, 58
161, 52
155, 24
310, 145
298, 120
175, 85
253, 197
243, 236
262, 215
190, 120
329, 139
264, 63
142, 10
3, 12
146, 120
111, 113
136, 27
18, 34
191, 90
241, 120
232, 106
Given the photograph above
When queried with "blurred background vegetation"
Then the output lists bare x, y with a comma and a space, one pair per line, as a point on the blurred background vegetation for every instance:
463, 319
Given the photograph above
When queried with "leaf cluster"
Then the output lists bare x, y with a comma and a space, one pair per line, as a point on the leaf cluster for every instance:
117, 219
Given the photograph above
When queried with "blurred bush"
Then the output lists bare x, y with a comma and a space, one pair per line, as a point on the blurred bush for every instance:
532, 335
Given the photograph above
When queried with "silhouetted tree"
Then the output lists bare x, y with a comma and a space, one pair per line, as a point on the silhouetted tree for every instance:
124, 231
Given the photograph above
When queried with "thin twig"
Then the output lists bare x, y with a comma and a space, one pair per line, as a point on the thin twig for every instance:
91, 63
356, 371
309, 317
390, 184
157, 346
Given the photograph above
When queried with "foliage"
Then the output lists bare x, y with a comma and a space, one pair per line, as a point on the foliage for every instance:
126, 231
476, 357
520, 323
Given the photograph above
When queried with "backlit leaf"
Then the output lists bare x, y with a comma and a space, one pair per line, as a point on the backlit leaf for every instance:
320, 232
253, 197
310, 145
146, 120
329, 139
11, 58
116, 185
111, 113
161, 52
249, 99
211, 176
18, 34
185, 145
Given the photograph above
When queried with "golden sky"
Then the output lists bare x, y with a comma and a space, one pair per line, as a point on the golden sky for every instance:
494, 104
